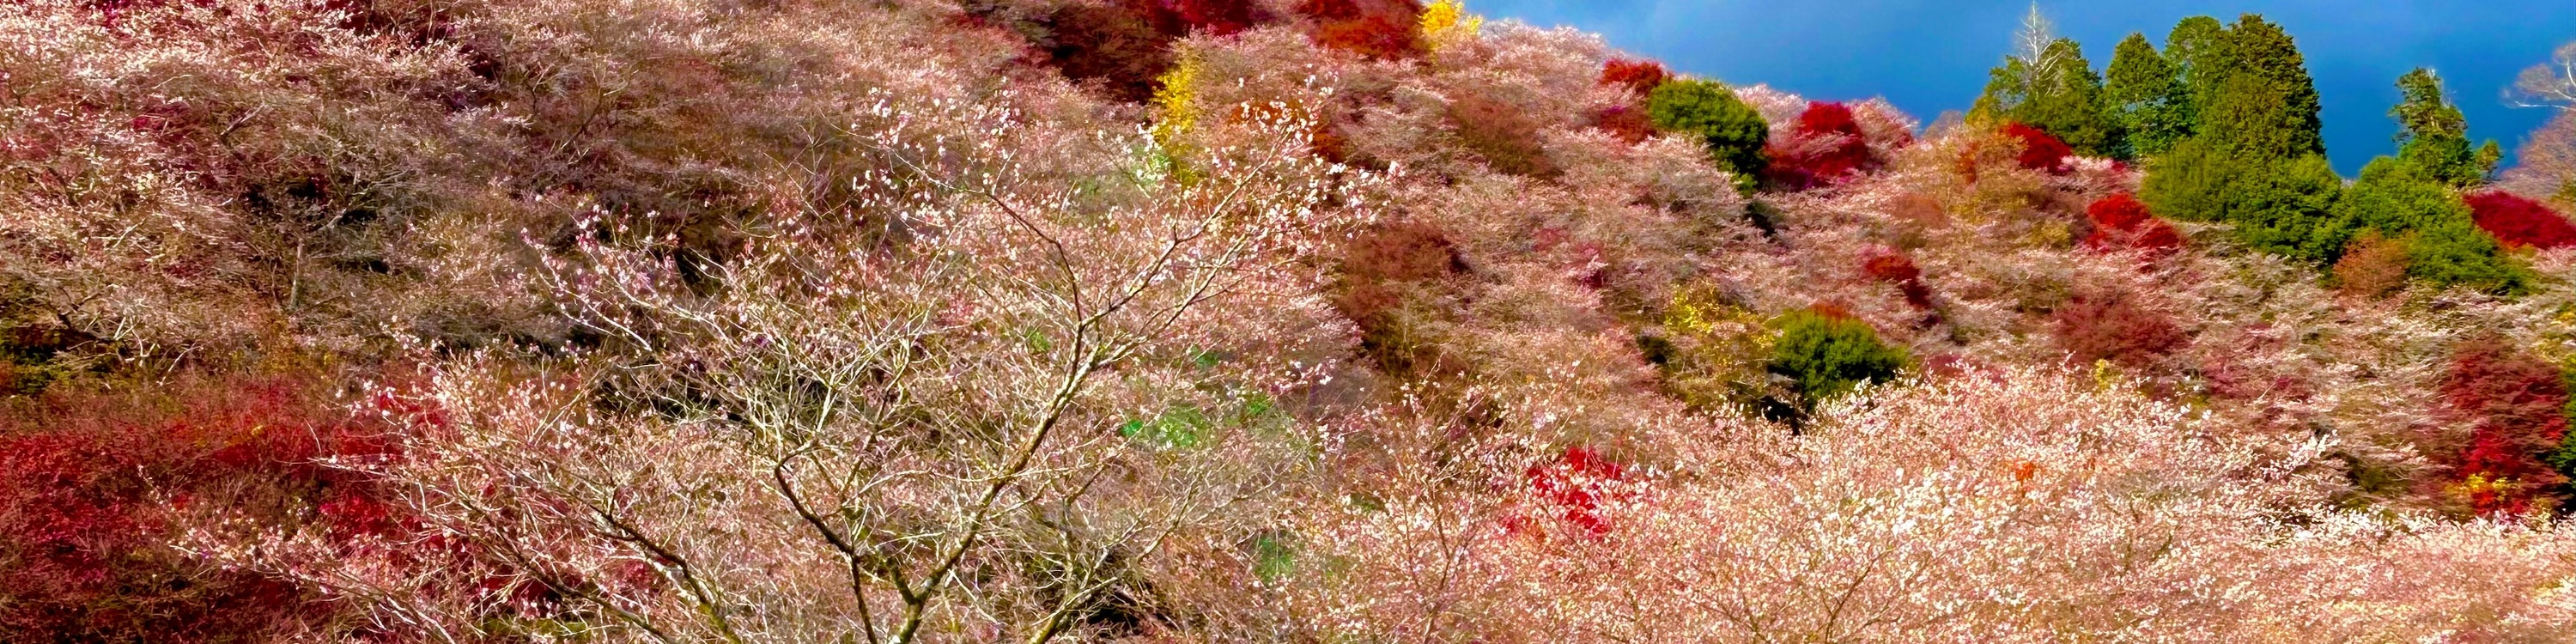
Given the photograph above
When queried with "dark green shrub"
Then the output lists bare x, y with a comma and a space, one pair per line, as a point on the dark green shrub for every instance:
2286, 208
1733, 131
1830, 355
2446, 247
2281, 207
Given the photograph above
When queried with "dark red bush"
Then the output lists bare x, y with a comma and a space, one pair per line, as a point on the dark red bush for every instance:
2515, 405
2111, 325
1891, 267
1381, 29
1639, 76
1217, 17
1118, 46
93, 486
1628, 123
2040, 150
1825, 147
2121, 222
1894, 267
1126, 45
2519, 221
1574, 483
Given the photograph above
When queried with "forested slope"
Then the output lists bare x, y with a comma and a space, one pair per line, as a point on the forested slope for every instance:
1209, 321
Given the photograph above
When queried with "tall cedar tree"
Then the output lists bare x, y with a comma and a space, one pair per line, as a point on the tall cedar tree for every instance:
2255, 95
2058, 93
2148, 102
2413, 197
2256, 154
1733, 131
2433, 137
2191, 42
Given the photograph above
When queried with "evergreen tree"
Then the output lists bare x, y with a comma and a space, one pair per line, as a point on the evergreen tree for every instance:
2048, 84
1733, 131
2286, 207
2255, 154
2254, 94
2147, 99
2433, 136
2191, 41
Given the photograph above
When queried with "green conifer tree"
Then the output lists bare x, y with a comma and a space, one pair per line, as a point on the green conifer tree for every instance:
2433, 136
2048, 84
2254, 94
2192, 39
2147, 99
2255, 154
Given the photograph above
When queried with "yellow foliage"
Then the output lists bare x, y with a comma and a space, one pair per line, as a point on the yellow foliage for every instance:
1447, 19
1176, 98
1718, 349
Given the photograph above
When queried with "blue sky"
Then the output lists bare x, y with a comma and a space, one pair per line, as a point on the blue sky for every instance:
1932, 55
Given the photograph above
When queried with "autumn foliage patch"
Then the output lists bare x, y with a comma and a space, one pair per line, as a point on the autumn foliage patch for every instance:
1639, 76
2515, 406
1826, 146
1575, 485
1126, 45
2113, 325
94, 486
1387, 273
1503, 134
1893, 267
2519, 221
2121, 222
1382, 29
2040, 150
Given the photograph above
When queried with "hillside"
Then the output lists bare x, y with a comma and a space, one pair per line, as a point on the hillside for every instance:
1244, 321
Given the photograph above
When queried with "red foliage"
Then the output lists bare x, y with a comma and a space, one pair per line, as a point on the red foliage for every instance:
2516, 406
1628, 123
84, 523
1826, 146
1117, 46
2121, 222
1381, 29
1218, 17
1639, 76
2040, 150
1126, 45
2519, 221
1894, 267
1574, 484
2113, 326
